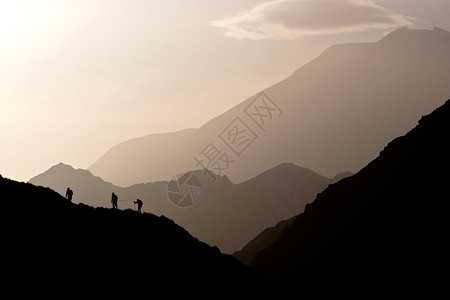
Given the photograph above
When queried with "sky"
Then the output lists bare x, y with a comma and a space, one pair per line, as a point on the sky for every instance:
79, 76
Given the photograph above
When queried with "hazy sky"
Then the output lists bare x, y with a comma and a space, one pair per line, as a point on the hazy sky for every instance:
77, 77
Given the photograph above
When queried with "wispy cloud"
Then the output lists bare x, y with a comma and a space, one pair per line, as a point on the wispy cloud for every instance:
292, 19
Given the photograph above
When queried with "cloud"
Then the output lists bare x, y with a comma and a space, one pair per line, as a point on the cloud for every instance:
292, 19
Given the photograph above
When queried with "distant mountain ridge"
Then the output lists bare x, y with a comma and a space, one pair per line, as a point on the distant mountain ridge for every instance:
379, 231
227, 215
335, 113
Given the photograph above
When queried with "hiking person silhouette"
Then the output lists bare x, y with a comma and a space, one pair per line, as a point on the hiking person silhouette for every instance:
69, 194
114, 200
139, 203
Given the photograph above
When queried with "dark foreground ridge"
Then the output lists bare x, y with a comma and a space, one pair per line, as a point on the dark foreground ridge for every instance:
382, 230
50, 244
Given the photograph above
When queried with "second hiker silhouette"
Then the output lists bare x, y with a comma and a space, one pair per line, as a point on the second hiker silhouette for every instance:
114, 200
69, 194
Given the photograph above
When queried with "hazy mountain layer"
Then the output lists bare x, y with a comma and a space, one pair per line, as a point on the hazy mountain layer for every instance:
335, 113
226, 215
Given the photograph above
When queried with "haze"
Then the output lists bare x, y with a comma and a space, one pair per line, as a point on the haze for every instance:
77, 77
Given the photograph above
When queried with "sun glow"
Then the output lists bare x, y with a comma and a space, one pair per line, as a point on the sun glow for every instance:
15, 21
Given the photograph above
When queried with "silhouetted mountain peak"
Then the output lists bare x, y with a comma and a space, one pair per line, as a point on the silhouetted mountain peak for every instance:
66, 175
287, 166
62, 166
439, 29
415, 38
284, 174
208, 177
401, 42
341, 175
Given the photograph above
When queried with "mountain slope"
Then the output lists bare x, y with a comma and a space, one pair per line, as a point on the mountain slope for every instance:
262, 241
54, 244
382, 228
227, 215
269, 235
137, 157
335, 113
